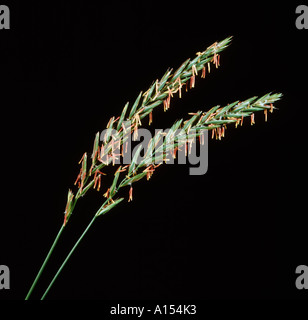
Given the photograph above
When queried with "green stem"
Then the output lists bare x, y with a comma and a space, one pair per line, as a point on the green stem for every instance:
44, 263
67, 258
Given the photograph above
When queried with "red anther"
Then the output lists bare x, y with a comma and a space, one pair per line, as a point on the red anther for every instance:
82, 158
78, 177
252, 118
130, 194
192, 81
150, 118
99, 183
180, 86
106, 194
203, 72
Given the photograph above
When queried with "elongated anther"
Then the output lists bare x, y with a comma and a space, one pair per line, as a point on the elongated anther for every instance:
150, 118
78, 177
180, 86
130, 194
203, 72
215, 59
164, 105
82, 158
106, 194
194, 70
95, 180
252, 119
99, 183
192, 81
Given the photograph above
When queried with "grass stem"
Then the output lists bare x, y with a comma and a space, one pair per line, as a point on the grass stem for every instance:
67, 258
44, 263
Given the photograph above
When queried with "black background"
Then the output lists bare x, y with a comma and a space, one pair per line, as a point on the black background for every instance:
237, 232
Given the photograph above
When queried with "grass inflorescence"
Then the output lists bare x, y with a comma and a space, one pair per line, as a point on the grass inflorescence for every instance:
107, 150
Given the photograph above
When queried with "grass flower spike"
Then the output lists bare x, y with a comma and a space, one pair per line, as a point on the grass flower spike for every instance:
111, 145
